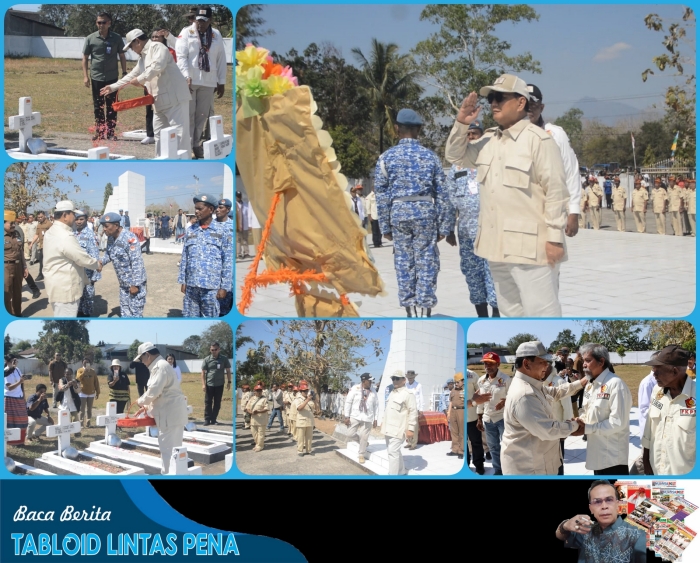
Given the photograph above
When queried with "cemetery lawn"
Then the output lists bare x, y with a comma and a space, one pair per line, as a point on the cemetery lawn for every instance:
57, 91
629, 373
191, 387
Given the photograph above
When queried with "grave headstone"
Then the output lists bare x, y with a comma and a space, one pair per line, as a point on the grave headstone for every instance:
24, 122
63, 429
220, 145
169, 143
179, 463
109, 419
98, 153
11, 434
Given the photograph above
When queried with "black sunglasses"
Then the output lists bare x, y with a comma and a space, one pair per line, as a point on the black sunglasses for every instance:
396, 378
102, 23
498, 97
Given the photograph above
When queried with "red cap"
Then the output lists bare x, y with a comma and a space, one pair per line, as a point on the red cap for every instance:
491, 357
295, 388
303, 386
258, 386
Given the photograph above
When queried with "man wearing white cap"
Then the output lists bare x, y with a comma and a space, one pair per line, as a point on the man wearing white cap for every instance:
523, 200
157, 71
360, 409
530, 444
164, 401
64, 263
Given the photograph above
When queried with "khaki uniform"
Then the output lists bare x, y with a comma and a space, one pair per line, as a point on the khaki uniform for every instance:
29, 230
523, 206
400, 416
258, 407
691, 197
284, 409
293, 416
659, 198
685, 221
244, 403
619, 199
582, 215
640, 197
14, 274
595, 192
457, 420
305, 424
675, 204
670, 431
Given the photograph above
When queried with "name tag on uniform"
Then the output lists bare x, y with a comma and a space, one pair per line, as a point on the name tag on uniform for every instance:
657, 404
215, 235
687, 412
587, 395
603, 396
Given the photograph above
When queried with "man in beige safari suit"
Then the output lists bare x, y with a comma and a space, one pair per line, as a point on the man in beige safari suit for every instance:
619, 201
675, 204
691, 199
640, 197
400, 421
595, 197
659, 198
523, 200
257, 407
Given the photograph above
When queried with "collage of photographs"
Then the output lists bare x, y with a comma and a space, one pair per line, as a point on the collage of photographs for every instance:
430, 265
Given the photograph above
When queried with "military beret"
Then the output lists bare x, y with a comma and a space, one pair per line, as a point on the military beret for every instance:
408, 117
205, 198
79, 213
225, 202
111, 217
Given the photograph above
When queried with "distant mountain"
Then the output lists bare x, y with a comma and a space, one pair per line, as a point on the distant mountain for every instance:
609, 112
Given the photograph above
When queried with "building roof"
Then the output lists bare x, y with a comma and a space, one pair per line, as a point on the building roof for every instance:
32, 16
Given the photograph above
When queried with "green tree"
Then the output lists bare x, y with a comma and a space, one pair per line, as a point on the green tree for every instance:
649, 157
518, 339
355, 159
109, 190
134, 349
632, 335
8, 344
680, 98
572, 124
21, 346
69, 338
192, 343
565, 338
468, 52
249, 26
261, 363
218, 332
387, 81
665, 333
29, 184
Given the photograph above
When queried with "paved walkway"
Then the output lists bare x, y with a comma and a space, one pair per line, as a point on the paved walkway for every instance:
608, 274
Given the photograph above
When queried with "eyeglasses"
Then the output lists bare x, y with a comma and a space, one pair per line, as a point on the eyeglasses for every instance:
498, 97
396, 378
606, 500
102, 23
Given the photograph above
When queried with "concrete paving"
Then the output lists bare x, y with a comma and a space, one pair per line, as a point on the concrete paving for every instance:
608, 274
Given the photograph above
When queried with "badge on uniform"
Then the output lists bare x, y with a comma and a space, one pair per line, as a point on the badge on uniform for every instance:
690, 402
687, 412
589, 386
603, 388
660, 394
603, 396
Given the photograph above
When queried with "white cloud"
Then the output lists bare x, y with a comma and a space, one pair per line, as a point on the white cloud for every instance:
612, 52
217, 179
171, 188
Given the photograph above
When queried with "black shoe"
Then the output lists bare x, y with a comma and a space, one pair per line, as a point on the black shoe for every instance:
460, 456
498, 472
206, 423
480, 469
494, 312
409, 314
482, 310
41, 277
585, 438
36, 294
451, 453
488, 456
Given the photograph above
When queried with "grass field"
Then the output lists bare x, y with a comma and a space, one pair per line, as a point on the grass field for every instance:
191, 387
65, 104
630, 374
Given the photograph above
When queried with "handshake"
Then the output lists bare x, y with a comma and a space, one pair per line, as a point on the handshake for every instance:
581, 427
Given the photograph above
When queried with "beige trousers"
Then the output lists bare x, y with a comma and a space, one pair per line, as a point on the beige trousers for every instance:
640, 219
200, 104
393, 452
65, 309
526, 291
304, 436
691, 218
620, 220
174, 115
362, 429
594, 217
676, 223
660, 223
258, 435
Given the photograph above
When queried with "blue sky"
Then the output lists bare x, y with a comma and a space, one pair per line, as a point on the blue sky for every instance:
121, 332
585, 50
164, 181
261, 330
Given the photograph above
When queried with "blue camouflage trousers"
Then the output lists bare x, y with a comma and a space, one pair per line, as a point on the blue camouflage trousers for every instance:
87, 301
200, 302
476, 271
226, 304
132, 305
416, 261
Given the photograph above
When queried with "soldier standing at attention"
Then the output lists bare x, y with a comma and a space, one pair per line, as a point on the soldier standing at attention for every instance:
619, 204
400, 422
124, 250
15, 266
206, 265
595, 199
223, 209
691, 196
257, 408
456, 419
412, 208
305, 419
293, 413
659, 197
245, 397
640, 197
675, 205
86, 240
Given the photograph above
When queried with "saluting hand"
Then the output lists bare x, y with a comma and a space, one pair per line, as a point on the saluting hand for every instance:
469, 110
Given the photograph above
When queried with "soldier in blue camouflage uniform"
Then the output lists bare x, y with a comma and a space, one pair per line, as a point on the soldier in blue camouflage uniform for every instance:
223, 216
413, 211
124, 250
86, 240
464, 197
207, 259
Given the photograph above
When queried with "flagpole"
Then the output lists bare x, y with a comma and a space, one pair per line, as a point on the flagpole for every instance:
634, 154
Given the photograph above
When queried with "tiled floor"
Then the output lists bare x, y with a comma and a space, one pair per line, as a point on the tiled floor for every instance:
608, 274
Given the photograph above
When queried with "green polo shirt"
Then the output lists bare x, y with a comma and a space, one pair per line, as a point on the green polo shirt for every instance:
104, 55
213, 369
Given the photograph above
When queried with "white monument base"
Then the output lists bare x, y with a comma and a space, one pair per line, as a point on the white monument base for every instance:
228, 462
205, 452
52, 461
22, 469
203, 435
128, 453
64, 154
137, 135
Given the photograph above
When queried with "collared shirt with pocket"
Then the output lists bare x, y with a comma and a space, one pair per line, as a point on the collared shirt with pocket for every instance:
669, 434
400, 413
607, 402
498, 387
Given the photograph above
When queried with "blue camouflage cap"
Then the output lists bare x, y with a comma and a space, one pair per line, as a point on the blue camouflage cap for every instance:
206, 198
111, 217
408, 117
225, 202
79, 213
450, 381
476, 125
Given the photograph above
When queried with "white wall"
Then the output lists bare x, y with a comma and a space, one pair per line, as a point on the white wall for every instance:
34, 366
68, 47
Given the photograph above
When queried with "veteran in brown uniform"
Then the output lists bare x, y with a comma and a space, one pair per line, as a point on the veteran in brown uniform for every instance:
523, 200
456, 419
257, 407
15, 266
43, 225
659, 198
619, 202
640, 197
675, 205
305, 419
245, 397
595, 197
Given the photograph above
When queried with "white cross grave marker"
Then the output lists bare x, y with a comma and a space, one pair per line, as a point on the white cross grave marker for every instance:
178, 463
109, 419
169, 143
11, 434
98, 153
63, 429
220, 145
24, 122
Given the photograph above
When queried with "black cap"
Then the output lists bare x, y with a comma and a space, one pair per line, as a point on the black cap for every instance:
535, 94
366, 377
670, 356
203, 13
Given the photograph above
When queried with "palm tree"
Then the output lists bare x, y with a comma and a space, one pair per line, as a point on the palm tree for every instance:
388, 81
241, 339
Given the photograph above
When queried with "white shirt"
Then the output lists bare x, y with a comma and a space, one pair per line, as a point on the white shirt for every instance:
470, 387
187, 51
607, 402
561, 409
644, 399
178, 373
68, 402
14, 377
498, 387
371, 206
571, 167
245, 215
358, 201
530, 444
352, 404
417, 390
164, 398
670, 432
